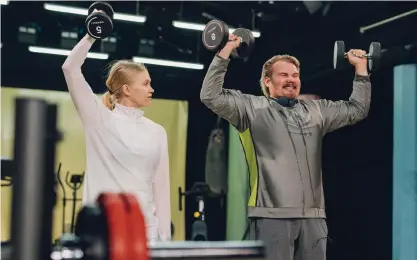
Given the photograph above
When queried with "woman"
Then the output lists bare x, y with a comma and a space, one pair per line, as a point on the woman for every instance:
126, 152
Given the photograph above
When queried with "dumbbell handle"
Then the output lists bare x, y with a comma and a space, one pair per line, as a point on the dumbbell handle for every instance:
240, 38
368, 56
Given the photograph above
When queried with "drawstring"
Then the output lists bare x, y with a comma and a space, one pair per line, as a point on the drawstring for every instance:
318, 240
325, 237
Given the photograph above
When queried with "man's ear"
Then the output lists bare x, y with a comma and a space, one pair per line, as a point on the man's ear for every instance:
126, 89
267, 82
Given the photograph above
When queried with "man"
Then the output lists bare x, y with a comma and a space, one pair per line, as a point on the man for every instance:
282, 139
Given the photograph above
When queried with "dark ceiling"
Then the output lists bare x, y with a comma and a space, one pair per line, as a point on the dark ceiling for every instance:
286, 27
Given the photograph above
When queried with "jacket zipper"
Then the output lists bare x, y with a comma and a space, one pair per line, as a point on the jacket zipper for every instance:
298, 165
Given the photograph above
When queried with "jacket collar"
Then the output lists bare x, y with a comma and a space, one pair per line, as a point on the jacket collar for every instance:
130, 112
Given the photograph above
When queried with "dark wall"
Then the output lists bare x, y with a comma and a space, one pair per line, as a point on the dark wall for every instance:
357, 173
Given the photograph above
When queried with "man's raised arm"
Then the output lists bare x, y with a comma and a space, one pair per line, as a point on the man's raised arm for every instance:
342, 113
231, 105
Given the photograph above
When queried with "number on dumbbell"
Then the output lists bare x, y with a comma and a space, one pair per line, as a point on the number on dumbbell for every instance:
99, 25
216, 35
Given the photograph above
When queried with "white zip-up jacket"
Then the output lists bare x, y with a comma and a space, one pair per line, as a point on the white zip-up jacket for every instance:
126, 152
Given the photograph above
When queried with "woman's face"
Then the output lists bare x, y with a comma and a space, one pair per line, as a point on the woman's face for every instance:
139, 92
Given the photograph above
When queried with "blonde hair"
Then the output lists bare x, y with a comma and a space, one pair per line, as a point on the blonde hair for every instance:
267, 69
120, 73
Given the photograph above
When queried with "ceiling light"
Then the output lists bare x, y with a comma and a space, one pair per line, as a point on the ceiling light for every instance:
200, 27
169, 63
44, 50
82, 11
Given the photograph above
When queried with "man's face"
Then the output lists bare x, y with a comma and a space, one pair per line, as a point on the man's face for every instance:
285, 80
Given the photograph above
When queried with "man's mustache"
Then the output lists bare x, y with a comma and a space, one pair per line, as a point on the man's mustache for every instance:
289, 84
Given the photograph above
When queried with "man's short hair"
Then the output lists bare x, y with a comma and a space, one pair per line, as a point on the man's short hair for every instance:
267, 69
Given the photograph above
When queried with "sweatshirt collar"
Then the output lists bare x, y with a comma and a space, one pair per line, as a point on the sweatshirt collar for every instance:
130, 112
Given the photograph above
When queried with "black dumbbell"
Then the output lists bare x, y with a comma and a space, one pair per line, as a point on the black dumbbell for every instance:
99, 25
216, 35
373, 55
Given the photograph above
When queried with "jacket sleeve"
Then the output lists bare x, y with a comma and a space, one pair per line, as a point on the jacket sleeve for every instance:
232, 105
84, 99
161, 191
337, 114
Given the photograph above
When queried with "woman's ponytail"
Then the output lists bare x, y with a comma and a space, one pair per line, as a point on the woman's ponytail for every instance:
108, 100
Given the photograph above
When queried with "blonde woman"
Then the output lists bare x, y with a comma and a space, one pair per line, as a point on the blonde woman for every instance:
126, 152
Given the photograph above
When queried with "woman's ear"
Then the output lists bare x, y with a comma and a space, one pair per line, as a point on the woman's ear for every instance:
126, 90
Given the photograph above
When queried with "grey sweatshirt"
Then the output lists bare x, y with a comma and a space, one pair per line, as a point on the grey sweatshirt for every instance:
283, 145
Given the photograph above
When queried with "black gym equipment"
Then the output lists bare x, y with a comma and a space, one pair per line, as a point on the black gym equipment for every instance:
74, 182
215, 185
202, 191
33, 192
99, 25
373, 56
216, 161
216, 35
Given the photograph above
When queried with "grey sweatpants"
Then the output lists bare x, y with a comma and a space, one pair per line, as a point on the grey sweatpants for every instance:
291, 239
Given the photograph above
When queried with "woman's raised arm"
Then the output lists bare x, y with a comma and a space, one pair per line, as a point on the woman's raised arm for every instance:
84, 99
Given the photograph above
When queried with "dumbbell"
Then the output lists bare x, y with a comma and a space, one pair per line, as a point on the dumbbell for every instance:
111, 229
99, 25
373, 55
216, 35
